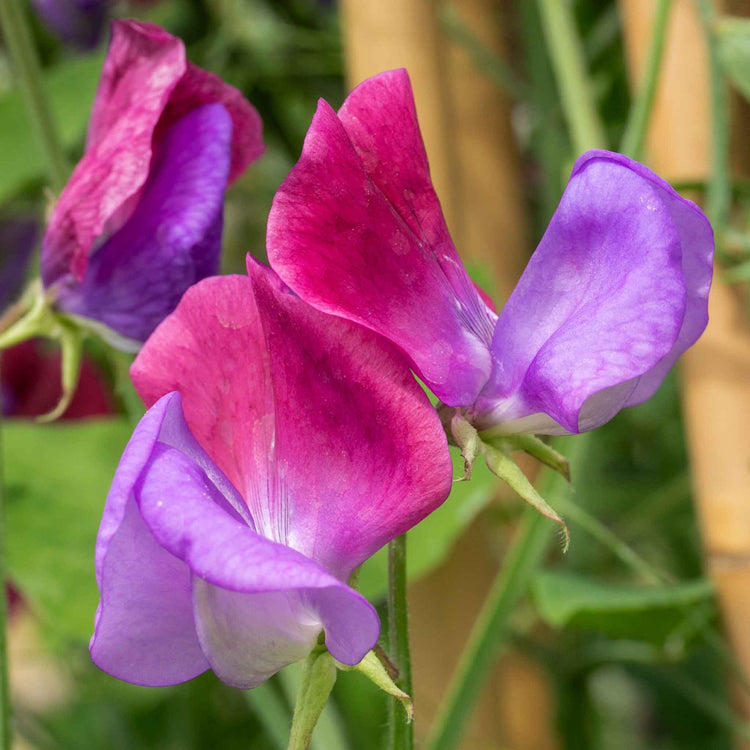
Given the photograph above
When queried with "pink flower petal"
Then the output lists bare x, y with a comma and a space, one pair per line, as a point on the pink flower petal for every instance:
315, 420
356, 230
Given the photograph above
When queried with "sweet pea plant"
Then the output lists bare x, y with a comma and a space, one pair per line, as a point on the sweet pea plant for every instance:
287, 436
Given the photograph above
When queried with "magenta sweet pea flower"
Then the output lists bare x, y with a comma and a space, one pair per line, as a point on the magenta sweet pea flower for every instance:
141, 218
615, 292
283, 448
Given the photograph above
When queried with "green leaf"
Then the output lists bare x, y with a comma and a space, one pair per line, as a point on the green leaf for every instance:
619, 611
56, 480
70, 87
733, 42
431, 540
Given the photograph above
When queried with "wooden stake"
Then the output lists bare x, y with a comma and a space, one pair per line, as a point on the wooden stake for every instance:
716, 372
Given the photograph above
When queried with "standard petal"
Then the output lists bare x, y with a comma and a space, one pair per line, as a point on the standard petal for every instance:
601, 303
143, 65
173, 238
316, 420
258, 605
356, 230
145, 630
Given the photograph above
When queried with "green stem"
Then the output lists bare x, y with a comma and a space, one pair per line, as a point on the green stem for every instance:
5, 715
566, 53
719, 190
20, 44
318, 678
401, 733
640, 111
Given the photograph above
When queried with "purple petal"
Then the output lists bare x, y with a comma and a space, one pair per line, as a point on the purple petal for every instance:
616, 290
317, 421
77, 22
173, 237
356, 230
198, 87
144, 631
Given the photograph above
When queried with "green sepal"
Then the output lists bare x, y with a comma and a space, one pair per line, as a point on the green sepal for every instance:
374, 669
505, 468
466, 437
36, 318
71, 343
534, 447
41, 320
318, 679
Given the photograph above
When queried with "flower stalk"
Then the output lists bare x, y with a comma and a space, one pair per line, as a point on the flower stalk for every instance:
400, 728
640, 112
18, 39
318, 679
568, 62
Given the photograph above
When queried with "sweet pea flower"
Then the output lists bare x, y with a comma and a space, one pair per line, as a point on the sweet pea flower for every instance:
615, 292
282, 448
141, 218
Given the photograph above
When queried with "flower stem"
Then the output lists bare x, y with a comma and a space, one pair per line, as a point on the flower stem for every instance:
401, 733
5, 728
20, 44
491, 627
640, 111
719, 189
318, 678
566, 53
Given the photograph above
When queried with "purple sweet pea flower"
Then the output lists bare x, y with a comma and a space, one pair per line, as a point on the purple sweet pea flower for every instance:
141, 218
77, 22
615, 292
283, 448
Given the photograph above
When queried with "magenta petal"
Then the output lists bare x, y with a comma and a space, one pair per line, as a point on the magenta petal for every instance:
615, 291
315, 420
143, 65
173, 238
356, 230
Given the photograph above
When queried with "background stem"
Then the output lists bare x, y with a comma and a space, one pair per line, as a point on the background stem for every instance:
640, 111
401, 733
566, 52
490, 628
28, 74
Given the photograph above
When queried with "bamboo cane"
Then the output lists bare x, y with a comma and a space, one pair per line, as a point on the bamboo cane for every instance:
716, 372
491, 227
